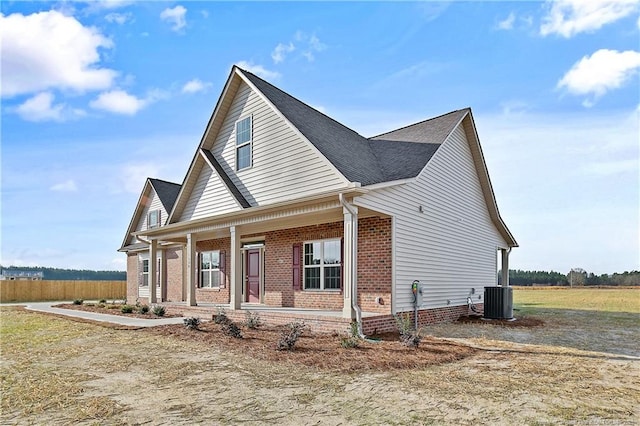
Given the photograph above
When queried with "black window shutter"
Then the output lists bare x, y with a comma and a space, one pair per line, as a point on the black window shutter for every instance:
297, 267
223, 269
341, 263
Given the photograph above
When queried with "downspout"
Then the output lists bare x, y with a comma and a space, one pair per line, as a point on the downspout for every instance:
354, 263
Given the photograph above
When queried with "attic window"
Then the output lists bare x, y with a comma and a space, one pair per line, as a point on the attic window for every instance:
243, 143
153, 221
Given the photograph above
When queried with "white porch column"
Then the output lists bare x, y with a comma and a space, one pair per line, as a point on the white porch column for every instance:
192, 264
236, 271
505, 267
162, 275
153, 265
350, 261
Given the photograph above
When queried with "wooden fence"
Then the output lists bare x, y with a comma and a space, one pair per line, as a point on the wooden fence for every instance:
43, 290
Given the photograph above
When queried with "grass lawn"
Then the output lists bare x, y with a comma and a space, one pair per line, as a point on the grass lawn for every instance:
57, 371
579, 298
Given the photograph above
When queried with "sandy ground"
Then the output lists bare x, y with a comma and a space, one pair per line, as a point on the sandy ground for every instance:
56, 371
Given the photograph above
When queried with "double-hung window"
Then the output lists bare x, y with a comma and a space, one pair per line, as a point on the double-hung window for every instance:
145, 273
322, 265
243, 143
153, 219
210, 269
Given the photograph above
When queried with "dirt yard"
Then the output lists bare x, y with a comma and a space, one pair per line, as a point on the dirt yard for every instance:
57, 371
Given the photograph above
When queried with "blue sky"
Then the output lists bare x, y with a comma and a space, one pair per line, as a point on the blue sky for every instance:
96, 96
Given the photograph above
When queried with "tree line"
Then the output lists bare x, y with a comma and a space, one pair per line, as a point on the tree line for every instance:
575, 277
67, 274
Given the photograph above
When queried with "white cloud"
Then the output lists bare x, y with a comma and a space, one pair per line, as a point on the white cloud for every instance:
258, 70
176, 17
66, 186
507, 23
108, 4
314, 45
118, 18
305, 43
195, 86
431, 10
49, 50
599, 73
570, 17
280, 52
118, 102
40, 108
132, 176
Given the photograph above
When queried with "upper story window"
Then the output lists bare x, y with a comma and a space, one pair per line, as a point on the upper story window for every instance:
153, 220
243, 143
322, 265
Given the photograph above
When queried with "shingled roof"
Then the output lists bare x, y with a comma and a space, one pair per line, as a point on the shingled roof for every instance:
166, 191
400, 154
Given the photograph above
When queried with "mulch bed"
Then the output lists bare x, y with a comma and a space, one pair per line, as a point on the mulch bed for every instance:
323, 351
516, 322
115, 310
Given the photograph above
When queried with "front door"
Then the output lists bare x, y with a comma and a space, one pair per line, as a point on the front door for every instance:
253, 276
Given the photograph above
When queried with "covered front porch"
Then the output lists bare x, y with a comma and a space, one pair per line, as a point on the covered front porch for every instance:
260, 258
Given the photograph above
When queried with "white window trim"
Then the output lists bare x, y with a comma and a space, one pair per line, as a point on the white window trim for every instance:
322, 265
157, 225
145, 282
211, 271
249, 142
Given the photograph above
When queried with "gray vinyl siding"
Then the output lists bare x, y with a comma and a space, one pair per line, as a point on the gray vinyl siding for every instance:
209, 197
284, 165
451, 246
153, 203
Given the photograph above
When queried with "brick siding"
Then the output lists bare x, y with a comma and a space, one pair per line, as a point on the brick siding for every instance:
173, 265
132, 277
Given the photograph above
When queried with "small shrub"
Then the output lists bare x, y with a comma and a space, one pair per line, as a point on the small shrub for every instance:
404, 323
252, 320
221, 317
290, 336
101, 305
143, 309
78, 301
192, 323
126, 309
159, 310
411, 340
102, 301
112, 306
231, 329
353, 340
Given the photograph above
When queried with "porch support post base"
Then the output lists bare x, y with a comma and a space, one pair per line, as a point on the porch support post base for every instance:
236, 271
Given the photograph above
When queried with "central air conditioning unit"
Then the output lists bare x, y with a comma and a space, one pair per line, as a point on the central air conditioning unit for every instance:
498, 302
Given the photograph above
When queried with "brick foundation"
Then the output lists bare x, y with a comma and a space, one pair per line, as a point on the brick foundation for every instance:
386, 323
328, 324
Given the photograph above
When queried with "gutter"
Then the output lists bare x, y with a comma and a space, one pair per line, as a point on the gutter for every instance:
354, 264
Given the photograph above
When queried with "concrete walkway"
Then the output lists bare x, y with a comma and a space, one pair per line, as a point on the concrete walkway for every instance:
113, 319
